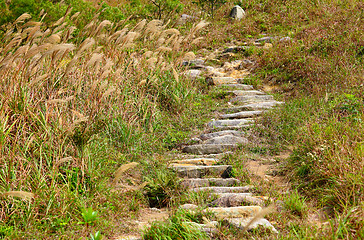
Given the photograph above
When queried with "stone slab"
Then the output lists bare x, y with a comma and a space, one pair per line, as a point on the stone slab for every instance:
241, 223
254, 106
227, 139
252, 98
202, 149
229, 123
221, 80
208, 182
235, 200
247, 92
200, 171
238, 86
235, 212
243, 189
220, 133
196, 161
243, 114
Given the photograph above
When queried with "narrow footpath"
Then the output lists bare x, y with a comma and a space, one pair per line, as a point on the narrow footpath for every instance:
200, 164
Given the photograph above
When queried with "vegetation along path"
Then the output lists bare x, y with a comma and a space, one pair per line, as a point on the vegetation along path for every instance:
178, 119
203, 169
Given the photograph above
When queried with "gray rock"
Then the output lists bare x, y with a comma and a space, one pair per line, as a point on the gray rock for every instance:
246, 63
235, 200
234, 212
265, 39
193, 73
208, 182
229, 124
227, 139
241, 223
188, 206
243, 114
285, 39
252, 98
193, 62
221, 133
223, 189
253, 106
235, 49
220, 80
202, 149
200, 171
209, 228
247, 92
196, 161
237, 13
238, 86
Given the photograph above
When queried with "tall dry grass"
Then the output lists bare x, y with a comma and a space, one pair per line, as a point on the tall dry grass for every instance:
60, 86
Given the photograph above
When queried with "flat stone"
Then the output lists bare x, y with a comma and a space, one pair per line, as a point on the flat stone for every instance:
285, 39
235, 212
238, 86
221, 80
247, 93
227, 139
243, 189
243, 114
193, 62
210, 228
208, 182
235, 123
252, 98
208, 148
193, 73
201, 171
237, 13
265, 39
235, 49
188, 206
197, 161
241, 223
235, 200
254, 106
221, 133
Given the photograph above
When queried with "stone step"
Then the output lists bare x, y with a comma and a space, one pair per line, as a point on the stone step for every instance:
243, 114
247, 92
237, 86
234, 212
241, 223
253, 106
221, 80
227, 139
196, 161
234, 124
236, 199
202, 149
200, 171
252, 98
221, 133
209, 228
243, 189
209, 182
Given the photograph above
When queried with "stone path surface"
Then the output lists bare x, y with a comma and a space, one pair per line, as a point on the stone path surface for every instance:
236, 204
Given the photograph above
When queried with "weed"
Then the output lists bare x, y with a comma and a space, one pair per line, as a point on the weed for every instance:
296, 204
178, 226
89, 216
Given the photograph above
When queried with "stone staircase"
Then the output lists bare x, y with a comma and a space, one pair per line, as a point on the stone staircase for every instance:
200, 167
236, 204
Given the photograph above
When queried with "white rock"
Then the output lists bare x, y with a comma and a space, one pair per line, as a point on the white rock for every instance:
237, 13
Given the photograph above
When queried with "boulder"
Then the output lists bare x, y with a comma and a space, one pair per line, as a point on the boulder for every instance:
237, 13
